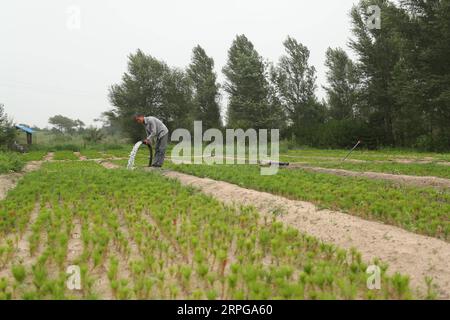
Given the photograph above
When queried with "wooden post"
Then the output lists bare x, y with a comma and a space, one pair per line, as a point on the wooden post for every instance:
29, 139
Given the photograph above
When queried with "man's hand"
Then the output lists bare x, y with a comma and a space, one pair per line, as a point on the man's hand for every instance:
147, 142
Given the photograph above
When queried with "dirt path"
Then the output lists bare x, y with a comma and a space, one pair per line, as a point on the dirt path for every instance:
415, 255
108, 165
420, 181
9, 181
78, 154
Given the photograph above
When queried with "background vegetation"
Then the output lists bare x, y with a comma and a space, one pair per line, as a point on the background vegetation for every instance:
396, 93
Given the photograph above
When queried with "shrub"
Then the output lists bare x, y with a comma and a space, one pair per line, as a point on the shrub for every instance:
10, 161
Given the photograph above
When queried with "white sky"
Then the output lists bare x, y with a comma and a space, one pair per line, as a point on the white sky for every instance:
47, 68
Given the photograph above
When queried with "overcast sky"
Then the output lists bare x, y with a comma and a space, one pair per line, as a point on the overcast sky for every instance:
50, 64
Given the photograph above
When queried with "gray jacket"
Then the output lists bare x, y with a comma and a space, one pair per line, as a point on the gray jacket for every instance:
154, 127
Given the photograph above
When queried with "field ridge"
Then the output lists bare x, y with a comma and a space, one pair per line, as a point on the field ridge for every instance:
409, 253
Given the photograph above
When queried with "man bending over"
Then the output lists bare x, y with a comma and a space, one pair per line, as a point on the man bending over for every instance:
155, 129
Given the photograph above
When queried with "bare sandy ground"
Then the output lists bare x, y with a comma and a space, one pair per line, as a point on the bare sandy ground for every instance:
9, 181
420, 181
411, 254
82, 158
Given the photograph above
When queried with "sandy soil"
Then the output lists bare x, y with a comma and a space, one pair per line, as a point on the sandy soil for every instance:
421, 181
82, 158
108, 165
412, 254
9, 181
75, 244
22, 253
49, 156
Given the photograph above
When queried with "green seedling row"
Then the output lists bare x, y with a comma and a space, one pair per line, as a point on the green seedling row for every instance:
92, 154
10, 162
142, 236
33, 156
379, 155
65, 155
360, 154
421, 210
412, 169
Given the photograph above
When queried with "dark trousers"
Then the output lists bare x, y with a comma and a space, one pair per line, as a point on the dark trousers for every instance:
160, 150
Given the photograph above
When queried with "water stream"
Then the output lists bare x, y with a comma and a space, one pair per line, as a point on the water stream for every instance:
133, 153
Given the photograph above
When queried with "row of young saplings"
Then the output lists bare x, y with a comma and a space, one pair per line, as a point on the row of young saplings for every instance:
154, 239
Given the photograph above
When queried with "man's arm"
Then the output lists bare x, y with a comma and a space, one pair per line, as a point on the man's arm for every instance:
150, 128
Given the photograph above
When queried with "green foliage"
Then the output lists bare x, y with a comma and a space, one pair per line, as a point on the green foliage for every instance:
413, 169
343, 80
93, 135
295, 84
153, 88
248, 88
206, 90
65, 155
65, 124
404, 73
10, 161
19, 273
7, 130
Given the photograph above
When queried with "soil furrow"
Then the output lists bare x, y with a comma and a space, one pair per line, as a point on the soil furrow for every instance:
412, 254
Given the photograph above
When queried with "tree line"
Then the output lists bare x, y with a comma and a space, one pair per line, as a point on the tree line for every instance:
396, 93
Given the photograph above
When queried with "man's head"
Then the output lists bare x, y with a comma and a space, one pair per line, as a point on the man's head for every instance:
139, 118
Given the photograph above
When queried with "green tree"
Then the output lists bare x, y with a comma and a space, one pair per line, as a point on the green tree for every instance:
177, 100
206, 90
7, 130
295, 83
378, 52
248, 89
79, 125
93, 135
342, 89
150, 87
422, 78
63, 124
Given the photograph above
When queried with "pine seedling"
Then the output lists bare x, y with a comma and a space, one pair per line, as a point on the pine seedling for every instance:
19, 273
212, 294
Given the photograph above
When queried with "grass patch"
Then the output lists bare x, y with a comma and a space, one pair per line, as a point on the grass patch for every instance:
10, 161
33, 156
65, 155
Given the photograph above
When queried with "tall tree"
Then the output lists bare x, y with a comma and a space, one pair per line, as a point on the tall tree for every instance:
295, 82
423, 79
80, 125
378, 52
248, 89
93, 135
7, 131
342, 89
63, 124
206, 90
150, 87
